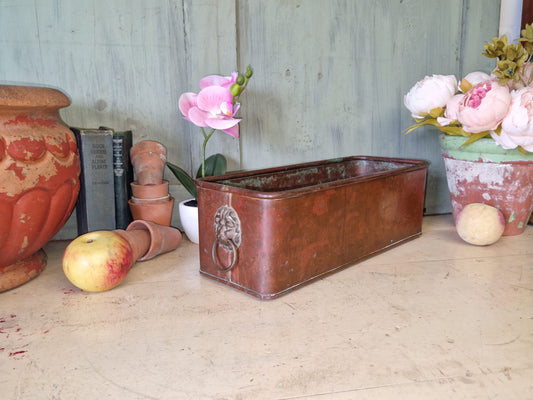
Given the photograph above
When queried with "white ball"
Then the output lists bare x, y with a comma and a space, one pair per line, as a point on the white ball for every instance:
480, 224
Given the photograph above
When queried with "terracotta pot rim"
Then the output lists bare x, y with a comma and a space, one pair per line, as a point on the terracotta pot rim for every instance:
156, 200
150, 146
164, 182
160, 213
149, 191
22, 96
162, 238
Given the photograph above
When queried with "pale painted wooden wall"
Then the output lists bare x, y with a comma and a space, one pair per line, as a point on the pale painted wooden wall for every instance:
329, 75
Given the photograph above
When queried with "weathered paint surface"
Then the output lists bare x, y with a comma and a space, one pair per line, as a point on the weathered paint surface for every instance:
508, 187
329, 75
39, 178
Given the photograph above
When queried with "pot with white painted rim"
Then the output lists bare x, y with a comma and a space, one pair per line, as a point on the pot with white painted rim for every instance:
484, 172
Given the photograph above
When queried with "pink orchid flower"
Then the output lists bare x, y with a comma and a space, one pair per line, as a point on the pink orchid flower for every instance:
217, 80
212, 107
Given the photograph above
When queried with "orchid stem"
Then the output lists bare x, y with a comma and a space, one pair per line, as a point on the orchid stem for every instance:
206, 139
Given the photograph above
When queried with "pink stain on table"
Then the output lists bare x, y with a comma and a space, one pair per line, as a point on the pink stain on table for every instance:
9, 328
18, 355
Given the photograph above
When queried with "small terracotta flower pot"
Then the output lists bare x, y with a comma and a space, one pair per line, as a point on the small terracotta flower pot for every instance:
148, 159
149, 191
158, 212
161, 239
139, 241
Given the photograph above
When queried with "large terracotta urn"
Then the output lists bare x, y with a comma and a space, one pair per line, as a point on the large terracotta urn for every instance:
39, 178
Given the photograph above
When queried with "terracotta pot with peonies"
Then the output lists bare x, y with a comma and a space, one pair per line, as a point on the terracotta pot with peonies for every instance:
487, 121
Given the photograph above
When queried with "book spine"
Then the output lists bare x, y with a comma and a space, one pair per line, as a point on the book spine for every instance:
95, 209
122, 171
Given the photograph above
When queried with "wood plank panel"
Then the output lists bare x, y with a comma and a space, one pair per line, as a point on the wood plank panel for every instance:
329, 79
210, 48
331, 76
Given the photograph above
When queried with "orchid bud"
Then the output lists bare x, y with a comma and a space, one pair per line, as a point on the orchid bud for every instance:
235, 89
248, 72
240, 80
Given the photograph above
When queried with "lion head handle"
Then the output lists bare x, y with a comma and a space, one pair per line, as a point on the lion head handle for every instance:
227, 227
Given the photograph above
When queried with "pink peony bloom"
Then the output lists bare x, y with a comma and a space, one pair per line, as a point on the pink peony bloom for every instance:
217, 80
477, 77
450, 113
429, 93
517, 126
484, 107
212, 107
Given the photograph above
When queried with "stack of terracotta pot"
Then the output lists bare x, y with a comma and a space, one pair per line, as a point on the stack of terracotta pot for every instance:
150, 199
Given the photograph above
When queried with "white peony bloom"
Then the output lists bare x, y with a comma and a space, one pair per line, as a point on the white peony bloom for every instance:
429, 93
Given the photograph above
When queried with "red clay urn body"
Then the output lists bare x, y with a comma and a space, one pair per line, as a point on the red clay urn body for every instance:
39, 178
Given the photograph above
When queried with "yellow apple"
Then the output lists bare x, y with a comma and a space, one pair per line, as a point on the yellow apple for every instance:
480, 224
97, 261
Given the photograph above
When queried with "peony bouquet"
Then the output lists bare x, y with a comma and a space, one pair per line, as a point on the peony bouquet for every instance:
499, 105
214, 108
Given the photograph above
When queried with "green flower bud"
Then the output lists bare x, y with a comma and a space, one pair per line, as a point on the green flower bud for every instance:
240, 79
235, 89
248, 72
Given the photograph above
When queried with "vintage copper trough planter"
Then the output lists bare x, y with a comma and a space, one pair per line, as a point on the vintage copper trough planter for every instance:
269, 231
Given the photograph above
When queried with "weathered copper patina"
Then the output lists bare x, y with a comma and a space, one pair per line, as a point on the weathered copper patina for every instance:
269, 231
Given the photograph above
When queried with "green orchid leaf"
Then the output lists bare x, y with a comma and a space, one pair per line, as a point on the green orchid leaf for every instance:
214, 165
184, 179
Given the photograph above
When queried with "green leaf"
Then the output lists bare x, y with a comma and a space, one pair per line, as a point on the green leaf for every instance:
476, 136
527, 34
521, 150
422, 122
436, 112
214, 165
184, 179
465, 86
454, 131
